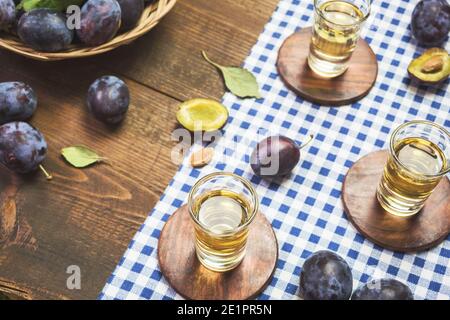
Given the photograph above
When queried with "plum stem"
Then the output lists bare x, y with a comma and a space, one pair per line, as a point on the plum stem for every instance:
311, 137
47, 175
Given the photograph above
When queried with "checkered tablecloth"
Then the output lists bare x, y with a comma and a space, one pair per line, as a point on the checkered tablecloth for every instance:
306, 210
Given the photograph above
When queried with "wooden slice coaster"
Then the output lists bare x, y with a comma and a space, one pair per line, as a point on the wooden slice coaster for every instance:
422, 231
349, 87
181, 268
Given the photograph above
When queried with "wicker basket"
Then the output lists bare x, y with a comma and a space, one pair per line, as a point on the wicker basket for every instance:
150, 18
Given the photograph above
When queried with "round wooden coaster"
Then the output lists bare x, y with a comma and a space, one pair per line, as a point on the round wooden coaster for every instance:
181, 268
349, 87
424, 230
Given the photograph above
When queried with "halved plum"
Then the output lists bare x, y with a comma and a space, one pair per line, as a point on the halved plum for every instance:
432, 67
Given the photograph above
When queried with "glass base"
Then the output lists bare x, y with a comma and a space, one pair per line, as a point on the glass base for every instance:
217, 262
395, 208
326, 69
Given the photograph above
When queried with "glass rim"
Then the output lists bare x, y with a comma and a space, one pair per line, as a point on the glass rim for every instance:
209, 177
367, 14
412, 122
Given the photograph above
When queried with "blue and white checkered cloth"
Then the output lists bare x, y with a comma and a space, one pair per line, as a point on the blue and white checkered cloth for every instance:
305, 209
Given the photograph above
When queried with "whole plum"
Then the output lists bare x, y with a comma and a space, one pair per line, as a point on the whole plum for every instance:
326, 276
275, 156
22, 147
108, 99
45, 30
430, 23
384, 289
15, 26
99, 22
17, 101
131, 12
7, 14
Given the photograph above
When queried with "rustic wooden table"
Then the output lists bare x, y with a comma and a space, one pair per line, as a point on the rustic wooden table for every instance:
88, 217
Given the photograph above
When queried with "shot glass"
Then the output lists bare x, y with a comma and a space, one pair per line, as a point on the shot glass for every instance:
222, 207
336, 30
419, 157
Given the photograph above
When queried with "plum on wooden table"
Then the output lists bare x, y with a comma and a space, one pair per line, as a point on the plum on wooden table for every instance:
17, 101
22, 147
108, 99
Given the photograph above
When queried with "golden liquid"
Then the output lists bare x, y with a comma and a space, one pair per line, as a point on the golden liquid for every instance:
221, 213
405, 186
335, 34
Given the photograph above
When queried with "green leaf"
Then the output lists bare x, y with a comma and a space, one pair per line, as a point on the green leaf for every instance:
59, 5
239, 81
81, 156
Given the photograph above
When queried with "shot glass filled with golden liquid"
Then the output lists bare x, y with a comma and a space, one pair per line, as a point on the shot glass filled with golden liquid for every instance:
419, 157
337, 25
222, 207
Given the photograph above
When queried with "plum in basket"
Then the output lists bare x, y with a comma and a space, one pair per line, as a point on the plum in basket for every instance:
45, 30
100, 21
7, 14
131, 13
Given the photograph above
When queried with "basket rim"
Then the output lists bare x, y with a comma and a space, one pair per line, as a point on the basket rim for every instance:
151, 16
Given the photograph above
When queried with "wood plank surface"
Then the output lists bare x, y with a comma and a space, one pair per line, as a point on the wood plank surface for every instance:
88, 217
226, 29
